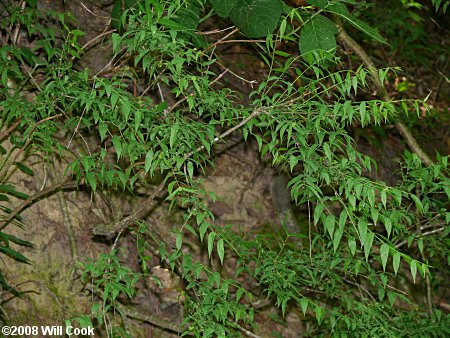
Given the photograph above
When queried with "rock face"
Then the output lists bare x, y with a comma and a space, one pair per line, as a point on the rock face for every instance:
282, 203
93, 18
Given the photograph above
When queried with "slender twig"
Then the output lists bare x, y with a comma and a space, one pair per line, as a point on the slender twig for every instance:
381, 91
76, 128
99, 16
251, 82
429, 297
176, 104
216, 31
240, 40
423, 234
159, 88
309, 231
221, 40
360, 287
97, 37
229, 131
15, 38
247, 332
121, 225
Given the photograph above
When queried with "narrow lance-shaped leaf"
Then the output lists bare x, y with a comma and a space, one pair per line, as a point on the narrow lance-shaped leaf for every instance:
362, 229
304, 304
179, 241
396, 262
330, 222
211, 237
413, 267
368, 245
318, 212
384, 253
220, 250
352, 246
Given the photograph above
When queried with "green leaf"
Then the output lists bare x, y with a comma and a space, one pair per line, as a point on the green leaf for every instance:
14, 254
211, 237
388, 226
327, 150
319, 313
374, 213
14, 239
352, 246
362, 229
190, 169
220, 250
172, 25
148, 161
337, 239
343, 219
189, 17
293, 160
223, 7
202, 230
256, 18
381, 293
340, 10
383, 197
118, 9
31, 3
413, 268
117, 146
304, 304
90, 179
396, 262
10, 190
391, 296
371, 197
318, 3
330, 222
179, 241
368, 244
318, 212
418, 203
24, 168
420, 245
384, 253
318, 35
173, 134
102, 129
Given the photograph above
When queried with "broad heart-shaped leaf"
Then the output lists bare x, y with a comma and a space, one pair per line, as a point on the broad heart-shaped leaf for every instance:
318, 35
223, 7
318, 3
256, 18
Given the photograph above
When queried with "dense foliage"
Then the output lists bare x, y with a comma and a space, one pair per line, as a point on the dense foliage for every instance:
349, 272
